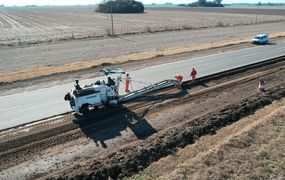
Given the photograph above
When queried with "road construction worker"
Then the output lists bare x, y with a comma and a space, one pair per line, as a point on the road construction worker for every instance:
127, 81
110, 82
179, 77
261, 86
193, 74
77, 86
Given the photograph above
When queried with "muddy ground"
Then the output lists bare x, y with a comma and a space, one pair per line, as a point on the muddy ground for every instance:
137, 134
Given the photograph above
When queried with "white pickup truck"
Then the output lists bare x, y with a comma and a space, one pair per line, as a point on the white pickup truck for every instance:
260, 39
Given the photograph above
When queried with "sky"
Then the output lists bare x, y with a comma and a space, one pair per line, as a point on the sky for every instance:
84, 2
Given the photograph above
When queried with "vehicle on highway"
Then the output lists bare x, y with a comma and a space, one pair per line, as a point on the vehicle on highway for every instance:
84, 100
260, 39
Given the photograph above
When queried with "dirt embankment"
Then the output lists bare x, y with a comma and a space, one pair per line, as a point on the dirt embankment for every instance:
136, 133
252, 148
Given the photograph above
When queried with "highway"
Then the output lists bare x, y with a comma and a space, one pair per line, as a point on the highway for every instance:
31, 106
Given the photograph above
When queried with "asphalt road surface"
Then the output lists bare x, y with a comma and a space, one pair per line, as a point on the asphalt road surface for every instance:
31, 106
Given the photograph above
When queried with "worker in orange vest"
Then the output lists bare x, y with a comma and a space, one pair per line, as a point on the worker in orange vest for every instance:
261, 86
193, 74
179, 77
127, 81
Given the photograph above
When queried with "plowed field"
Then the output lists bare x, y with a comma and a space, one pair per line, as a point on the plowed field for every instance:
32, 25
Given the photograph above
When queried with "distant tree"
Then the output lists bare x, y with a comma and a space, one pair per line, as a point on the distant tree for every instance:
202, 2
120, 6
218, 1
205, 3
168, 3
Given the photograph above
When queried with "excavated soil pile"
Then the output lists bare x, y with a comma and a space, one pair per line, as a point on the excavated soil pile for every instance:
133, 158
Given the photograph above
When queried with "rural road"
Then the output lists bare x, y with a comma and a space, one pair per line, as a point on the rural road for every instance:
31, 106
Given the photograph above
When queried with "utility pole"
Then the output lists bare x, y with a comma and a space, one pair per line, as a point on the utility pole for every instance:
112, 20
257, 11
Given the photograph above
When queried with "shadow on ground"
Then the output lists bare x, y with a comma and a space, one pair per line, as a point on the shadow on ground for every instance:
101, 127
162, 97
267, 44
271, 43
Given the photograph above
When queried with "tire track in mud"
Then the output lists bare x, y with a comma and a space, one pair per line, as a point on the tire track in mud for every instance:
33, 143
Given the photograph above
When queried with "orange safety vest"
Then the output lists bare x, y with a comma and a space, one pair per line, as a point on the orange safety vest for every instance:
194, 73
179, 77
128, 81
261, 86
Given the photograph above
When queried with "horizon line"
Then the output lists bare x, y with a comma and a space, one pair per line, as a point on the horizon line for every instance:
166, 4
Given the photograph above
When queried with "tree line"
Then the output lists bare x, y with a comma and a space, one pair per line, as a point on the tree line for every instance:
205, 3
120, 6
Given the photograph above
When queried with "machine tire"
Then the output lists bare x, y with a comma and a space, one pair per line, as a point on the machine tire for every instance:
67, 97
84, 110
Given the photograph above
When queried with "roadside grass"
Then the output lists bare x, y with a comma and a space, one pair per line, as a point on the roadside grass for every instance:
268, 168
140, 178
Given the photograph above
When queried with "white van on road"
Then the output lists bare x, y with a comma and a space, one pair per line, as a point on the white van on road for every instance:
260, 39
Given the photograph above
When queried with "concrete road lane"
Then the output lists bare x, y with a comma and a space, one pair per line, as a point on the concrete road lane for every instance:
31, 106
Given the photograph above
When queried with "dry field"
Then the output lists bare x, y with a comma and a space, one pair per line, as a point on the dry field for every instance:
21, 25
